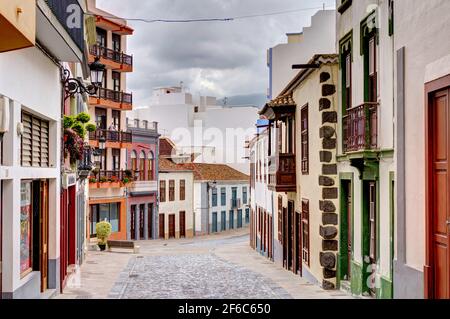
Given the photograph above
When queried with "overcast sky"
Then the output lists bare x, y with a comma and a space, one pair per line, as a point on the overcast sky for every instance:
213, 58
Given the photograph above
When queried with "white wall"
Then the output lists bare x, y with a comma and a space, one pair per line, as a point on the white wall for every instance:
422, 28
33, 84
177, 206
319, 38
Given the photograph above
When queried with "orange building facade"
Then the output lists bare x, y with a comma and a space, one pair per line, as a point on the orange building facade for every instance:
111, 141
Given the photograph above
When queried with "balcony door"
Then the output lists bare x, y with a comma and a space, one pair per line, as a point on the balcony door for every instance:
102, 37
100, 118
116, 159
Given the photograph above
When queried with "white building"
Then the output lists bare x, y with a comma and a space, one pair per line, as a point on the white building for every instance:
221, 198
30, 114
319, 38
196, 122
176, 187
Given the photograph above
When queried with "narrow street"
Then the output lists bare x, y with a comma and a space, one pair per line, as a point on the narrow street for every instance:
218, 266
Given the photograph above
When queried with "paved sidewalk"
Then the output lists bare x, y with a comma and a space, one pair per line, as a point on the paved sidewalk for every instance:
216, 266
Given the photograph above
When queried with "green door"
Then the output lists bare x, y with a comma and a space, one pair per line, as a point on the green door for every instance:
223, 222
239, 221
214, 223
231, 220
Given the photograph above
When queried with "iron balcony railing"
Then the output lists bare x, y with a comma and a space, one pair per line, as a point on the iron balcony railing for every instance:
360, 128
111, 136
115, 96
110, 54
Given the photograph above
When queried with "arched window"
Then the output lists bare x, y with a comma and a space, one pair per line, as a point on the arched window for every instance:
151, 167
133, 161
142, 166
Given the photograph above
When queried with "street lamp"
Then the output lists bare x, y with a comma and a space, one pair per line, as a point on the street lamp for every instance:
102, 143
73, 86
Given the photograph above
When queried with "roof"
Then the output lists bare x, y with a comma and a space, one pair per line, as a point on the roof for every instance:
203, 172
217, 172
167, 165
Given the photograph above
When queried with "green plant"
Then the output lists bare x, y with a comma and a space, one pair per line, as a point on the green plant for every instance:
103, 179
103, 230
92, 180
83, 118
91, 127
68, 121
125, 180
79, 129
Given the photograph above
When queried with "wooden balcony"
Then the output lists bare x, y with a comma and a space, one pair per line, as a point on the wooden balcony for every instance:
109, 179
115, 60
360, 128
282, 173
113, 99
114, 139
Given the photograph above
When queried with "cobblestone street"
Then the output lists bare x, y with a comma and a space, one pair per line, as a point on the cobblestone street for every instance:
218, 266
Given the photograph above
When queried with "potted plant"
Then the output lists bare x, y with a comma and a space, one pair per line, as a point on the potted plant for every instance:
125, 180
103, 179
103, 230
92, 180
114, 181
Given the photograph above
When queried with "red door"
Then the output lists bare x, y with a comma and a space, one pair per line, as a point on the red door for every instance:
133, 223
182, 224
162, 228
142, 222
439, 215
72, 235
172, 226
64, 262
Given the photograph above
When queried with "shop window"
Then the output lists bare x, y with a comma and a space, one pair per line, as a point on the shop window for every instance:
109, 212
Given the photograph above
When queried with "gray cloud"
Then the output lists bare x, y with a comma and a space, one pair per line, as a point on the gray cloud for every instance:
215, 58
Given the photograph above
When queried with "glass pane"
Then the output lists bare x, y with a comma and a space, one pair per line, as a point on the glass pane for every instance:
25, 227
104, 212
114, 217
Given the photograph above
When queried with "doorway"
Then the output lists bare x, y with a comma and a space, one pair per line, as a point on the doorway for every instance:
133, 222
437, 272
150, 221
370, 237
346, 230
290, 235
162, 228
142, 221
298, 243
182, 224
172, 226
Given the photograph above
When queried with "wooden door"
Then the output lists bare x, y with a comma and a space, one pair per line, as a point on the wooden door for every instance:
150, 221
133, 222
214, 223
239, 221
172, 226
347, 231
291, 235
231, 220
44, 235
162, 227
439, 217
298, 244
142, 222
183, 224
285, 238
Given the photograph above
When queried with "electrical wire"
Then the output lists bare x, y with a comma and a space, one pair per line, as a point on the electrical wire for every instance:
227, 19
